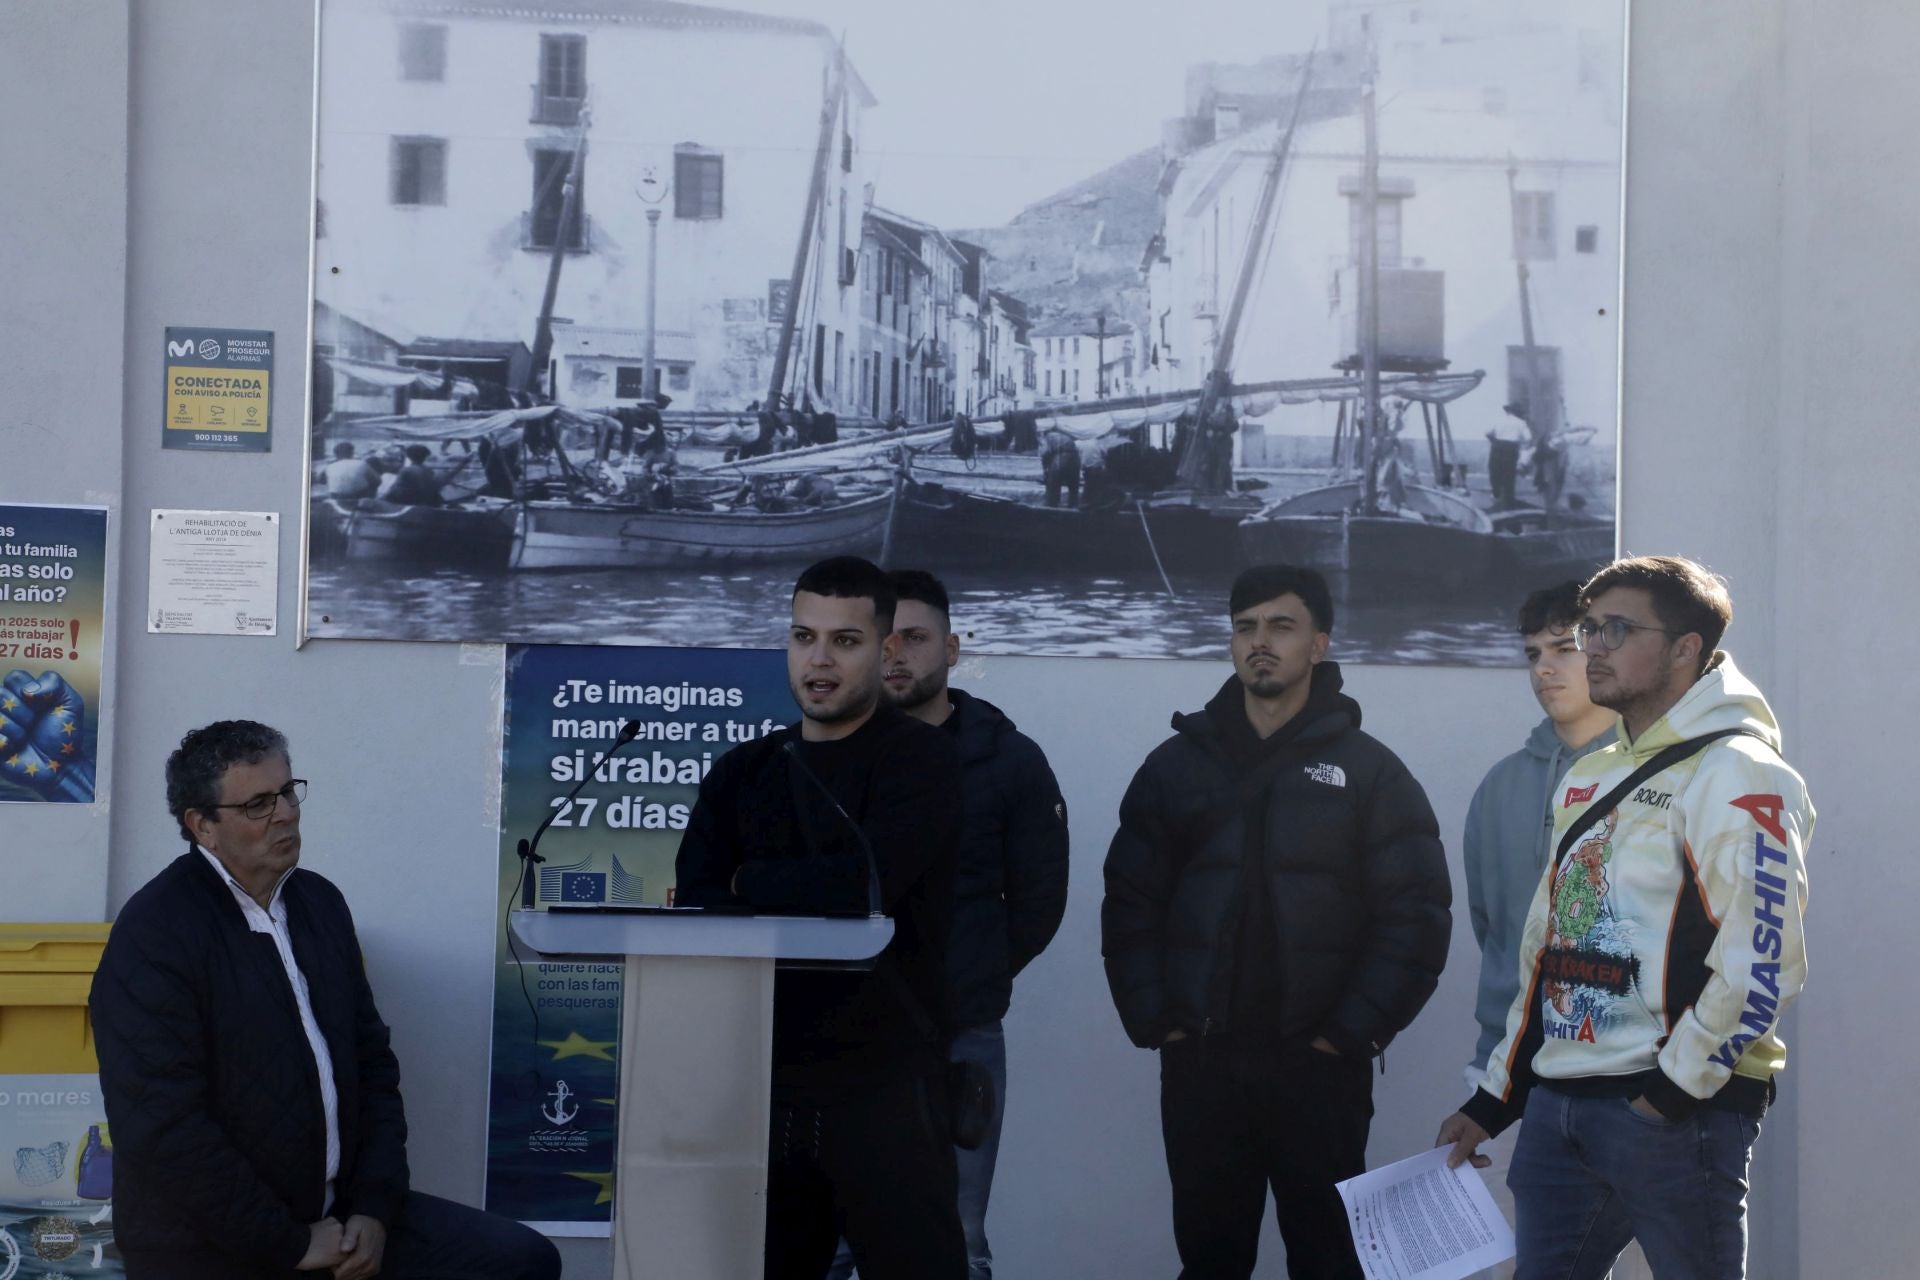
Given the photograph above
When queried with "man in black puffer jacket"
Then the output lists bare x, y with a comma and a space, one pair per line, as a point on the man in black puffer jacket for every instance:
254, 1100
1276, 912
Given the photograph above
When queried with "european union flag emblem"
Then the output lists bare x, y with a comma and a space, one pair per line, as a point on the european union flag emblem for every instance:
583, 886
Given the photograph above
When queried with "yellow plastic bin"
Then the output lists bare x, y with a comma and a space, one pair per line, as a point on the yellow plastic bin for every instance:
46, 971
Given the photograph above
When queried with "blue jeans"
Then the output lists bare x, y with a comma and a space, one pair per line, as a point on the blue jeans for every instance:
1589, 1174
985, 1044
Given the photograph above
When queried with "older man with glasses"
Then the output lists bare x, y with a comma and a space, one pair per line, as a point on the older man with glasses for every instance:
254, 1100
1663, 945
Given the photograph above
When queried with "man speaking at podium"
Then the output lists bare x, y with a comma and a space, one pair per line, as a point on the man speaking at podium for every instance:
810, 820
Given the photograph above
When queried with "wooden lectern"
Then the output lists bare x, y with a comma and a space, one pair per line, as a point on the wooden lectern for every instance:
696, 1065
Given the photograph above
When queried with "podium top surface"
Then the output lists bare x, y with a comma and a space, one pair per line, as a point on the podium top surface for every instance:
694, 933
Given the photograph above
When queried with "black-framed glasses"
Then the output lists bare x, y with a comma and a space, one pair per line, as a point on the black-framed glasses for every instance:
262, 806
1611, 634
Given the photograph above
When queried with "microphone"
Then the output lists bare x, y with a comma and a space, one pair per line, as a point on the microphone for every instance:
792, 749
526, 849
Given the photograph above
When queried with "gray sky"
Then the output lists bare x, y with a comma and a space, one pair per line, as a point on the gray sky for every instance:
989, 105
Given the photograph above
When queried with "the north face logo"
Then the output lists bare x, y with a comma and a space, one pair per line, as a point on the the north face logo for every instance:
1579, 795
1331, 774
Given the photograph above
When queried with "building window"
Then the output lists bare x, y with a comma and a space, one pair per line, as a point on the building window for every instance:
419, 170
698, 183
550, 169
1076, 352
423, 51
1076, 374
1533, 225
846, 151
562, 90
1387, 223
1586, 240
629, 380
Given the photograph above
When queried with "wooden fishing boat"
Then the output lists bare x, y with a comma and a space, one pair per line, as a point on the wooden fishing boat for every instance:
574, 535
473, 533
1544, 547
947, 528
1432, 541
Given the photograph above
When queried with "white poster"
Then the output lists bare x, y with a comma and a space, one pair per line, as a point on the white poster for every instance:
214, 573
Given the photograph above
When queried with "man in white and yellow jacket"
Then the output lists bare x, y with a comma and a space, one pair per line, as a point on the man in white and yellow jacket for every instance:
1661, 948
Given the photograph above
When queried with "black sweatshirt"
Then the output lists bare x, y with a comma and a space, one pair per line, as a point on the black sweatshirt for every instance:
761, 826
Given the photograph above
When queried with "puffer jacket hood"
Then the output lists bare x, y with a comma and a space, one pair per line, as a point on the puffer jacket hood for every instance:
1328, 711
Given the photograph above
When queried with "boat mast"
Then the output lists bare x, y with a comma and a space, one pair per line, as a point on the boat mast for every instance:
569, 205
1192, 461
1540, 416
1369, 317
833, 93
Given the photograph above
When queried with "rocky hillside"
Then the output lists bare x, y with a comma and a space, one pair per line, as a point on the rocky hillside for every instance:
1080, 249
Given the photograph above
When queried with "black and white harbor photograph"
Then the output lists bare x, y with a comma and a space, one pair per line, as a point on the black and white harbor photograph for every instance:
628, 310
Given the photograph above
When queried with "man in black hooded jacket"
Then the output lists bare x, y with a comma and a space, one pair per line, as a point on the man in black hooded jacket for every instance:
1276, 912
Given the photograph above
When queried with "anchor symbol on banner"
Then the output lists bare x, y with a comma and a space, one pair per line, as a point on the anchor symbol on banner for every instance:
560, 1113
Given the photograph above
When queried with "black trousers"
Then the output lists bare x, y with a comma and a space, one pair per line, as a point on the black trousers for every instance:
875, 1166
1503, 470
430, 1239
1237, 1124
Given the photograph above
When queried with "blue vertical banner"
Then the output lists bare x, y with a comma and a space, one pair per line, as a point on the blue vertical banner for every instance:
552, 1106
53, 584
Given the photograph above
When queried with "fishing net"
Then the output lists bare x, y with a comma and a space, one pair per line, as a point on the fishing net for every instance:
37, 1166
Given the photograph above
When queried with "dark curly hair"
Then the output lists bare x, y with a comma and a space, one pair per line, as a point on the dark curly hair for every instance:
194, 771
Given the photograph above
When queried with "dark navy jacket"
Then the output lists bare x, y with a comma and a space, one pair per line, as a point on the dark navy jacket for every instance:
212, 1094
1011, 888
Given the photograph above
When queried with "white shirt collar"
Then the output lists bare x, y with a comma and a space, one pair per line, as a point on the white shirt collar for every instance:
274, 910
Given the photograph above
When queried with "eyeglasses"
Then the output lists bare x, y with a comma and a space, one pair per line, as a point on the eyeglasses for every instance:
262, 806
1611, 634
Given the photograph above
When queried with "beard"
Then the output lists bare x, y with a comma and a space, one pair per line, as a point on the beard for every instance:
923, 690
1266, 687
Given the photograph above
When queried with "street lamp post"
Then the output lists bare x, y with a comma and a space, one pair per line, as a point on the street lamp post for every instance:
652, 192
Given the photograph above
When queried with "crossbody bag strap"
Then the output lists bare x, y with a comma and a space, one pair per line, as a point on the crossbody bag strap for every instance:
1606, 804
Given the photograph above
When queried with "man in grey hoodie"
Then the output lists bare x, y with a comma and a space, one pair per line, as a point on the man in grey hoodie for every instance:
1511, 819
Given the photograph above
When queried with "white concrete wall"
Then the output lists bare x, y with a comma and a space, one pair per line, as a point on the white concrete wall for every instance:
1768, 398
63, 287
